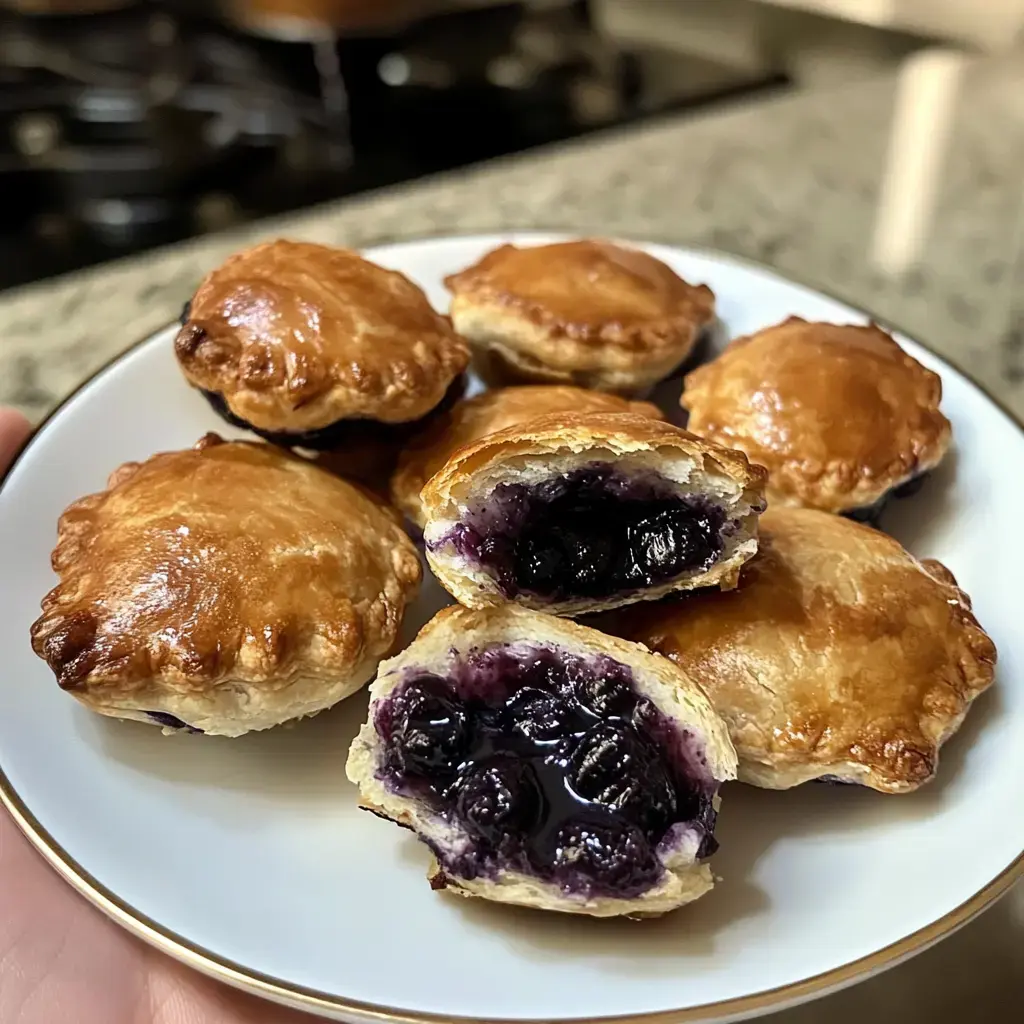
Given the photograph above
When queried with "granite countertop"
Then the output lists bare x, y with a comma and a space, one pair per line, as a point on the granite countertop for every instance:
795, 182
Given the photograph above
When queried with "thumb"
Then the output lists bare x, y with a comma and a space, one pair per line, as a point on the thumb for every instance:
14, 431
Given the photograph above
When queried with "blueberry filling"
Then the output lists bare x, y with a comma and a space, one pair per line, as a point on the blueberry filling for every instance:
343, 432
700, 353
592, 533
551, 765
834, 780
871, 514
170, 721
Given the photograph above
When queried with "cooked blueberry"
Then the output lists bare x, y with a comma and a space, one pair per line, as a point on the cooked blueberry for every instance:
614, 767
605, 695
590, 533
654, 806
560, 556
538, 715
550, 763
645, 716
616, 857
606, 761
429, 729
467, 541
498, 797
656, 541
664, 544
540, 565
708, 846
542, 673
586, 549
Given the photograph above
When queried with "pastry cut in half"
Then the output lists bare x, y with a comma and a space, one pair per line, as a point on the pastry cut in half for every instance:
312, 346
840, 415
586, 312
576, 513
473, 418
546, 764
222, 589
839, 657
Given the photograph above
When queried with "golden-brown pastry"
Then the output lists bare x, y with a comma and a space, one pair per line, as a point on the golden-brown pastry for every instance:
579, 512
224, 588
472, 418
586, 312
304, 343
839, 656
546, 764
839, 415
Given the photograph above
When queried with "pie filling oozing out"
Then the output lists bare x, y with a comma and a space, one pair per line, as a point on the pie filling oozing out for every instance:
169, 721
548, 764
871, 514
343, 432
834, 780
592, 533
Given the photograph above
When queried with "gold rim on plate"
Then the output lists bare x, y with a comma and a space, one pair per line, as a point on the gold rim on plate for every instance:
311, 1000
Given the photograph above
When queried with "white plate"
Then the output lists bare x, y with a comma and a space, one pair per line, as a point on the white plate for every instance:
248, 858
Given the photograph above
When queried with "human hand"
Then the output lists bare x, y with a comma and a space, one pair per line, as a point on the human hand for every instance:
14, 430
62, 960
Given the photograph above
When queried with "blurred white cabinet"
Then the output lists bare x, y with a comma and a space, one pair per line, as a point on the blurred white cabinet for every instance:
816, 42
993, 24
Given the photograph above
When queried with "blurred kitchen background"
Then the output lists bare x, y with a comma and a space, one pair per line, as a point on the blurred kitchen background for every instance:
125, 124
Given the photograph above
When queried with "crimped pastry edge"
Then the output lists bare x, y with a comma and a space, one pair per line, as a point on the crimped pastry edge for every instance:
260, 693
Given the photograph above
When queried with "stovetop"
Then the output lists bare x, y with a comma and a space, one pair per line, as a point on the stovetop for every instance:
129, 128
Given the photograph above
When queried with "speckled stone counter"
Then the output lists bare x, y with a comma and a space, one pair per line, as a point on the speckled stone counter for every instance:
805, 182
796, 182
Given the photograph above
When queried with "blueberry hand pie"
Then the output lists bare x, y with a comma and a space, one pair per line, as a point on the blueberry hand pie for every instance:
838, 657
584, 312
840, 416
222, 589
579, 512
546, 764
474, 418
313, 346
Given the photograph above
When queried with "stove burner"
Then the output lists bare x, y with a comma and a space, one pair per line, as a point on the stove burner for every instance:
144, 123
138, 128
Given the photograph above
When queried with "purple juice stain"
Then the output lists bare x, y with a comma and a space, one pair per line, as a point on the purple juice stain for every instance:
592, 533
552, 764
